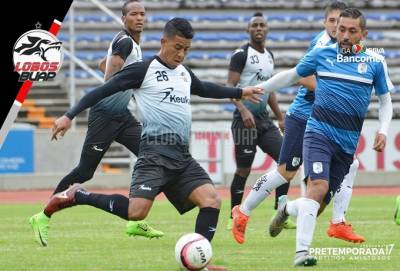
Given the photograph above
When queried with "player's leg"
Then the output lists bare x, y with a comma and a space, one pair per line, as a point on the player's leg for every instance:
270, 141
100, 134
289, 161
129, 136
245, 149
195, 188
317, 153
339, 228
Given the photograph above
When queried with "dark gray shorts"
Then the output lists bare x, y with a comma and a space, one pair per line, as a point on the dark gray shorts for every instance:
177, 178
266, 135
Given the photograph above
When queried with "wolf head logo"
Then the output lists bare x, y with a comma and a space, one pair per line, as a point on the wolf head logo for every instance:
37, 46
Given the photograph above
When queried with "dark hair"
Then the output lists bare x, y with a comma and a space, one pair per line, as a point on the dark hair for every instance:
124, 6
180, 27
258, 14
334, 5
354, 14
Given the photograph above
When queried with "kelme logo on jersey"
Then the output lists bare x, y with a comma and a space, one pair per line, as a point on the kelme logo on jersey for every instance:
172, 98
37, 55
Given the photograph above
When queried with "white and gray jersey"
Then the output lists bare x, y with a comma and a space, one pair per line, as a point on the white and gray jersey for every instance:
254, 68
124, 46
162, 95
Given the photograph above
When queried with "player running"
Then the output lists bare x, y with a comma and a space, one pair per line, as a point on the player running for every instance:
250, 65
345, 80
109, 120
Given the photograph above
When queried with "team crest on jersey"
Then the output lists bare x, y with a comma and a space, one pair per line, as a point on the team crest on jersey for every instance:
37, 55
362, 68
317, 167
295, 161
184, 77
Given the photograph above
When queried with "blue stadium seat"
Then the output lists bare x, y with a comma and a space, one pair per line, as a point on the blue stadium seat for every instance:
305, 17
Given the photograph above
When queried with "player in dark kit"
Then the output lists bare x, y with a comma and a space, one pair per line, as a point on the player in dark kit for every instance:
162, 87
109, 120
251, 65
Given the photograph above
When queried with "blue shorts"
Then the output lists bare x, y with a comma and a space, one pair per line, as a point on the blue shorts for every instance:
292, 147
325, 160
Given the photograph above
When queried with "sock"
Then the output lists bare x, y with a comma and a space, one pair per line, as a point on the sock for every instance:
342, 197
115, 204
306, 220
206, 222
292, 207
263, 187
280, 191
237, 190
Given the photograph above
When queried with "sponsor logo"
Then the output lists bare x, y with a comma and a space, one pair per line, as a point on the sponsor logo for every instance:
37, 55
202, 254
247, 151
260, 76
143, 187
329, 61
173, 98
96, 148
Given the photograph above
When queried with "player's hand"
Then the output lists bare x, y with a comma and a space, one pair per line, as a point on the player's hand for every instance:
252, 94
248, 118
61, 126
380, 142
281, 124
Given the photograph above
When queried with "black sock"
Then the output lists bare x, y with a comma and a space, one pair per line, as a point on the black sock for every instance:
280, 191
237, 190
206, 222
115, 204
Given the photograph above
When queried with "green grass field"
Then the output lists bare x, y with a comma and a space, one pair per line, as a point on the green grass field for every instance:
84, 238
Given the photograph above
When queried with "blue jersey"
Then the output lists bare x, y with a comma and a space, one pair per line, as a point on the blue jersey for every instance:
301, 105
344, 86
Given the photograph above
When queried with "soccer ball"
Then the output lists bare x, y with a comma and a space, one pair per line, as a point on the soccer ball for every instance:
193, 251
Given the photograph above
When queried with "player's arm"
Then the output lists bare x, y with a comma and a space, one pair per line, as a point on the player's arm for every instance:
247, 116
129, 78
212, 90
383, 86
102, 64
273, 104
120, 50
236, 65
306, 67
308, 82
114, 65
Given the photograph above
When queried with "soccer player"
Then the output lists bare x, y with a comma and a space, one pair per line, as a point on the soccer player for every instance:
250, 65
162, 87
291, 153
345, 81
109, 120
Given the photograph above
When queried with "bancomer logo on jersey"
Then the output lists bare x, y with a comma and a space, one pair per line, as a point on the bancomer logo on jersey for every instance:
353, 54
37, 55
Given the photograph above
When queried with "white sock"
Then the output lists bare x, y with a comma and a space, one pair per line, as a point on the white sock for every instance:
342, 197
262, 188
292, 207
306, 219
